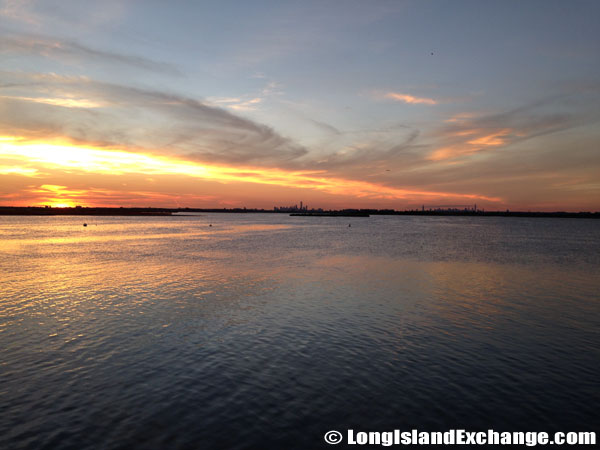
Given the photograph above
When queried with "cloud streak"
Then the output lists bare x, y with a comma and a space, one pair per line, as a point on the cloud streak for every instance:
136, 118
237, 104
65, 156
72, 51
410, 99
469, 134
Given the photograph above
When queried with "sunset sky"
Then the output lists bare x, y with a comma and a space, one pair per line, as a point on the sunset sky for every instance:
339, 104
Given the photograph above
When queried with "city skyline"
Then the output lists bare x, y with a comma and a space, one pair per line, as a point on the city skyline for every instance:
354, 105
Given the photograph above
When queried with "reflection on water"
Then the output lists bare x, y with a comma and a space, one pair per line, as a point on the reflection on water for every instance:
266, 331
72, 233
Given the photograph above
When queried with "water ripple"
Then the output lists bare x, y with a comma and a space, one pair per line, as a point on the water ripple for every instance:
266, 331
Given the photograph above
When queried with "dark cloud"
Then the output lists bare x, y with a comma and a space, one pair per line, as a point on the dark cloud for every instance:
325, 127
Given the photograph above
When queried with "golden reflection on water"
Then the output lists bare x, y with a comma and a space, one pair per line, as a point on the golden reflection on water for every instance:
92, 233
60, 272
71, 275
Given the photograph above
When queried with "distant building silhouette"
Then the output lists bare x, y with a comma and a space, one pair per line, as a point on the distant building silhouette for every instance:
294, 208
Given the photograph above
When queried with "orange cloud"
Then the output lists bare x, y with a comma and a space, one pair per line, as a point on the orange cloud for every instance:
67, 157
481, 139
491, 140
460, 118
17, 170
63, 196
65, 102
406, 98
56, 196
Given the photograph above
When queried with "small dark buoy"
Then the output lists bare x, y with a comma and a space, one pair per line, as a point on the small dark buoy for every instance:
349, 225
85, 224
210, 225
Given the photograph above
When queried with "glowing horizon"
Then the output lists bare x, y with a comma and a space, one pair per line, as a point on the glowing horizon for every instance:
34, 156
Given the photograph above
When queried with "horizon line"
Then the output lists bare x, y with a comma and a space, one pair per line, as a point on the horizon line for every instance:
244, 208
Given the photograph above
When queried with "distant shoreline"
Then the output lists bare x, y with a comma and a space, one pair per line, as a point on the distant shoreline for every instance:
84, 211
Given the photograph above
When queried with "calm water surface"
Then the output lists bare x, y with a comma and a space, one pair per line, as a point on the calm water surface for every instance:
266, 331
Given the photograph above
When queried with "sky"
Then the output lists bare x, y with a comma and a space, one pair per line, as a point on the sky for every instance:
339, 104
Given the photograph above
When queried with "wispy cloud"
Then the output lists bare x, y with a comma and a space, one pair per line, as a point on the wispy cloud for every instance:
392, 151
330, 129
236, 103
469, 133
248, 102
18, 10
65, 102
33, 105
471, 141
72, 51
272, 88
18, 170
410, 99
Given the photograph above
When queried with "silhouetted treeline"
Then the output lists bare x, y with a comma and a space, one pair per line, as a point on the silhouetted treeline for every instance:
81, 211
85, 211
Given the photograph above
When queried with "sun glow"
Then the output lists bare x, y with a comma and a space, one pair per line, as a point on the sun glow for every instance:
71, 158
65, 102
62, 205
57, 196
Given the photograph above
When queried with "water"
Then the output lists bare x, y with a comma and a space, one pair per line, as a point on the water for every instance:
266, 331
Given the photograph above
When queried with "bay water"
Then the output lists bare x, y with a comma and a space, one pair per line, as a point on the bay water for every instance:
259, 331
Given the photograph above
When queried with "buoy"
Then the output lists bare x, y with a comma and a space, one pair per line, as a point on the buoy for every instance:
349, 225
210, 225
85, 224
